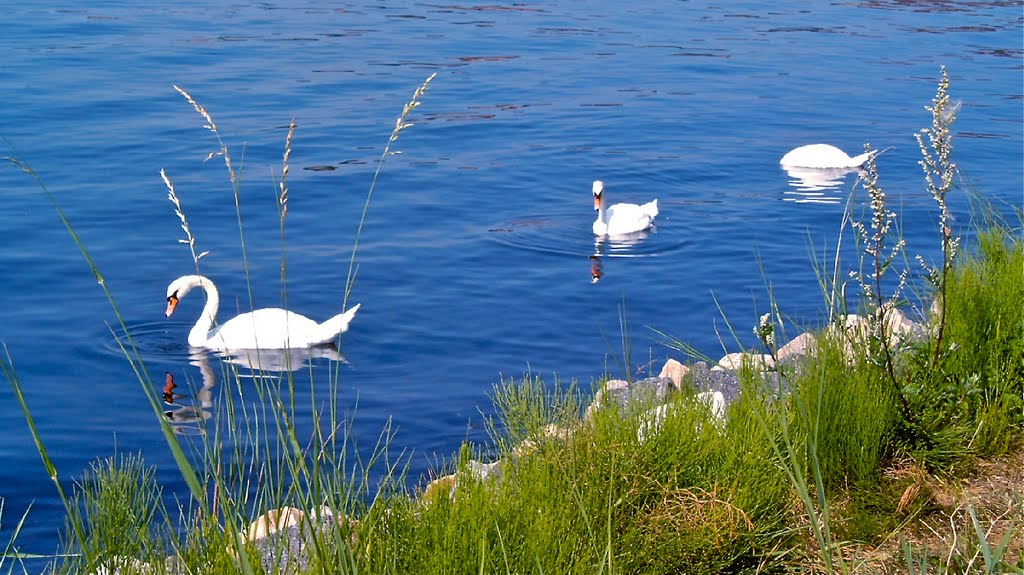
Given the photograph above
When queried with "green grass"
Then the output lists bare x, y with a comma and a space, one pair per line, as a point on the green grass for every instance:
847, 451
691, 498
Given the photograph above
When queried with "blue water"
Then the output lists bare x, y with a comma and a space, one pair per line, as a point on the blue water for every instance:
475, 260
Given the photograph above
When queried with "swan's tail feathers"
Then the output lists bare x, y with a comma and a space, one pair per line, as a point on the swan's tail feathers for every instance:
650, 209
858, 161
332, 328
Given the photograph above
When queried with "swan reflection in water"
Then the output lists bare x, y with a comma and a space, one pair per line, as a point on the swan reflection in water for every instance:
596, 269
620, 245
266, 362
188, 417
813, 184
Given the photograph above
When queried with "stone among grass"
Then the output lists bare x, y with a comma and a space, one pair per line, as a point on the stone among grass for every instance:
674, 371
736, 361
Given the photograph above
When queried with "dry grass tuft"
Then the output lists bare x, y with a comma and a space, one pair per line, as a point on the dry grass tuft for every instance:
948, 534
684, 509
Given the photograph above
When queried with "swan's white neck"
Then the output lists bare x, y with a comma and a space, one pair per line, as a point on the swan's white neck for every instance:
200, 332
599, 201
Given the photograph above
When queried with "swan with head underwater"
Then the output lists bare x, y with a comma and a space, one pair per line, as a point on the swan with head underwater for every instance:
268, 328
621, 219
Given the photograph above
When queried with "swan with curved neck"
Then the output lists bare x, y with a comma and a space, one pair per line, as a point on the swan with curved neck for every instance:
268, 328
621, 219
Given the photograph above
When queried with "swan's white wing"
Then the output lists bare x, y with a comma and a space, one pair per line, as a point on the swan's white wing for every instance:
269, 328
630, 218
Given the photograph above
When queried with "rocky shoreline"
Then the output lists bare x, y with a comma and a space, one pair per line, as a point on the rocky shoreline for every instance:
281, 537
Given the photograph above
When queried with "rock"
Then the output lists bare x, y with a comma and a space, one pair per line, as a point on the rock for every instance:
800, 346
286, 550
651, 422
484, 471
121, 565
441, 487
736, 361
852, 330
856, 330
550, 431
653, 419
447, 485
273, 521
724, 381
900, 325
624, 393
707, 379
281, 537
674, 371
715, 402
852, 323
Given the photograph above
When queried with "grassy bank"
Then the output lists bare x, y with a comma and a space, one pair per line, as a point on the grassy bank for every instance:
881, 449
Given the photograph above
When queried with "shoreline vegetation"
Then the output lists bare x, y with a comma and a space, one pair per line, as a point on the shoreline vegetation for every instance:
889, 440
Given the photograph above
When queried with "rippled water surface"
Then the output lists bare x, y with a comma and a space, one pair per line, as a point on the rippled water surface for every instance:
476, 258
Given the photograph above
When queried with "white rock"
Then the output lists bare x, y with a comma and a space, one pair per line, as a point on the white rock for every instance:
551, 431
653, 419
715, 402
120, 565
853, 327
799, 346
482, 471
447, 485
273, 521
736, 361
652, 422
623, 393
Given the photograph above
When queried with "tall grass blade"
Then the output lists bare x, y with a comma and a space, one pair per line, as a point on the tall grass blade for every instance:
51, 471
400, 125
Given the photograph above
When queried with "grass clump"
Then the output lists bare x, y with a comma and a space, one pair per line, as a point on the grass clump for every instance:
979, 385
117, 503
610, 494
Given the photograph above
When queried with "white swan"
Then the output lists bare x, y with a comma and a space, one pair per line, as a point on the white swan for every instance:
621, 218
823, 156
269, 328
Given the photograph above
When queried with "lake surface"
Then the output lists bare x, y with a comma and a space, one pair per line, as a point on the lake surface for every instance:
476, 256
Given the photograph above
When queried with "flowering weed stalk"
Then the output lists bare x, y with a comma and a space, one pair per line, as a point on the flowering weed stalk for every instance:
880, 253
939, 171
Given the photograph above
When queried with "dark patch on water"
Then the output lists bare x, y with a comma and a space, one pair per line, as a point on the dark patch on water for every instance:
487, 58
981, 135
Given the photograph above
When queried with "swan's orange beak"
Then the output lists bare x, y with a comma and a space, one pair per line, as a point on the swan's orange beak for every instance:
597, 202
172, 302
